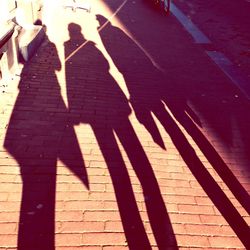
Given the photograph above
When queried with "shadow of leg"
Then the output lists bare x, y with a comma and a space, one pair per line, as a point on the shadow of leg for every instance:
216, 161
37, 213
157, 212
204, 178
131, 220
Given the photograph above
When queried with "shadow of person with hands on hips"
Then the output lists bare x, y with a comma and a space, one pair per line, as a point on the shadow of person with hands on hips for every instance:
39, 134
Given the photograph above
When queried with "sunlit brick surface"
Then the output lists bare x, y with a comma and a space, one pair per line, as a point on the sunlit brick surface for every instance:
130, 134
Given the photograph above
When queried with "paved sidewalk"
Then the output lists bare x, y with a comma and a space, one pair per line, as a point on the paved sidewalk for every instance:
122, 134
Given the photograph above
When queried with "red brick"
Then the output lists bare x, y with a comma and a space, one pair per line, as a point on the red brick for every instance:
9, 162
68, 239
80, 227
9, 216
101, 216
176, 183
7, 240
98, 187
203, 200
8, 228
99, 179
7, 177
247, 219
77, 187
180, 199
115, 248
113, 226
63, 178
229, 242
194, 209
204, 229
97, 164
72, 195
192, 241
168, 191
4, 196
188, 191
107, 196
8, 169
213, 219
160, 162
83, 205
179, 228
69, 215
194, 184
14, 187
111, 205
115, 239
96, 171
184, 218
80, 248
62, 187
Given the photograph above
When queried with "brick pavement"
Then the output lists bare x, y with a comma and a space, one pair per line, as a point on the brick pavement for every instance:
129, 138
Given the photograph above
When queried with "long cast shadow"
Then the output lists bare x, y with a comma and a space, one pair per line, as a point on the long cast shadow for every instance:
93, 93
149, 91
183, 115
37, 136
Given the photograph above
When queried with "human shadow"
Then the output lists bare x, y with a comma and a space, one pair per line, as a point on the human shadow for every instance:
183, 114
152, 92
93, 93
39, 133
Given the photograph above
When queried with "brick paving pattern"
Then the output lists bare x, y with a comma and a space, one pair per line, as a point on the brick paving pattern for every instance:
122, 134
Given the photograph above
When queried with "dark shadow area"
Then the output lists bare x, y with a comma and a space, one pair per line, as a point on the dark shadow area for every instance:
150, 90
181, 112
39, 133
94, 94
153, 4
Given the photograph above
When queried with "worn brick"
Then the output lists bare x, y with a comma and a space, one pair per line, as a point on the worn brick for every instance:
180, 199
113, 226
9, 216
103, 239
192, 241
194, 209
79, 248
83, 205
8, 240
101, 216
80, 227
69, 215
213, 219
211, 230
115, 248
184, 218
8, 228
65, 239
231, 242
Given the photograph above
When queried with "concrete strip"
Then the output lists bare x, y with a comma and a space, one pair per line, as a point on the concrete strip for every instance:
231, 71
192, 29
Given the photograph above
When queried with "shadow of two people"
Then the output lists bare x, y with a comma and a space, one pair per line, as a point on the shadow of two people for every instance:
41, 131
